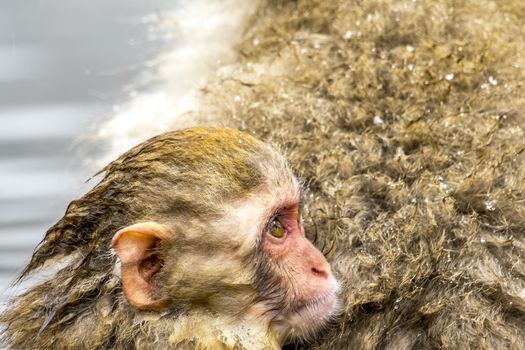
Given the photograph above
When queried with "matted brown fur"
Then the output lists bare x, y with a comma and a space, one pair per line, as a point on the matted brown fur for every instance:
406, 120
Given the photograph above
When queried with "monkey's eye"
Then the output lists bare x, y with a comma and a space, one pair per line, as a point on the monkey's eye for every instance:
276, 228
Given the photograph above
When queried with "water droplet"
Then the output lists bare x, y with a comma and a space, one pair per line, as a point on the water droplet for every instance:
348, 34
410, 48
483, 241
490, 206
378, 120
410, 67
442, 184
449, 76
493, 81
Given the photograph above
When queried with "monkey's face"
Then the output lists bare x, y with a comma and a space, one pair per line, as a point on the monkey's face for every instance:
293, 277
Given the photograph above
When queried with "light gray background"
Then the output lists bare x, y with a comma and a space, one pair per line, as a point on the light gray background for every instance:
63, 66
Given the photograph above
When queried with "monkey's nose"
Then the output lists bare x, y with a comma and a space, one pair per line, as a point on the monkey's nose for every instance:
319, 266
321, 272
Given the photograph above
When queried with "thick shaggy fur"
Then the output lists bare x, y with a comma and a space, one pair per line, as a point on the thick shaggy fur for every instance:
406, 120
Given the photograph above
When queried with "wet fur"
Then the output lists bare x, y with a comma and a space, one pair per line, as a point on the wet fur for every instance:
82, 306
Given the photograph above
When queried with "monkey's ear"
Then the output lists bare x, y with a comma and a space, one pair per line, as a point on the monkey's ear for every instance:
135, 246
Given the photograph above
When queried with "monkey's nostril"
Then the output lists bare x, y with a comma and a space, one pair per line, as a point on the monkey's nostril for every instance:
319, 273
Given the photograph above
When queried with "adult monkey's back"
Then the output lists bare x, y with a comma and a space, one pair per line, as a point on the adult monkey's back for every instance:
406, 120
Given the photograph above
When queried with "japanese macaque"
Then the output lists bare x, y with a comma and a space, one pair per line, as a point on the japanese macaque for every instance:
193, 239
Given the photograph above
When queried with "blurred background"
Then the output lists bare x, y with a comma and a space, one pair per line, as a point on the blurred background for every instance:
64, 67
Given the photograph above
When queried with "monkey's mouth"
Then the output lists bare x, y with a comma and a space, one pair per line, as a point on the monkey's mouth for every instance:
319, 302
314, 313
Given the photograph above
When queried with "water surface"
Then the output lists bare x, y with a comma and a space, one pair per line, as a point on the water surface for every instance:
63, 66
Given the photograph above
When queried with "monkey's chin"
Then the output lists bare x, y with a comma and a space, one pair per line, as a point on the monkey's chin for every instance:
311, 316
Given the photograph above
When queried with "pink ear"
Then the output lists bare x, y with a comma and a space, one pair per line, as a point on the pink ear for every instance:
134, 246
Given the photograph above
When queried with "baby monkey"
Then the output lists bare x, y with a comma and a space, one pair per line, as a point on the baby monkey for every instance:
192, 240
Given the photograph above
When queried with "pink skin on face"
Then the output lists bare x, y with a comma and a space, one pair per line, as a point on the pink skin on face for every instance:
314, 285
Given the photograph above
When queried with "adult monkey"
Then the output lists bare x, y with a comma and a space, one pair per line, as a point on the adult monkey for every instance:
406, 120
207, 227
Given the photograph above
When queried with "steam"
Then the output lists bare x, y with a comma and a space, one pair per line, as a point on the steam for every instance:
200, 36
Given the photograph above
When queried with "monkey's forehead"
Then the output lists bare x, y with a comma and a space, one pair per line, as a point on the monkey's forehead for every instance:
285, 186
